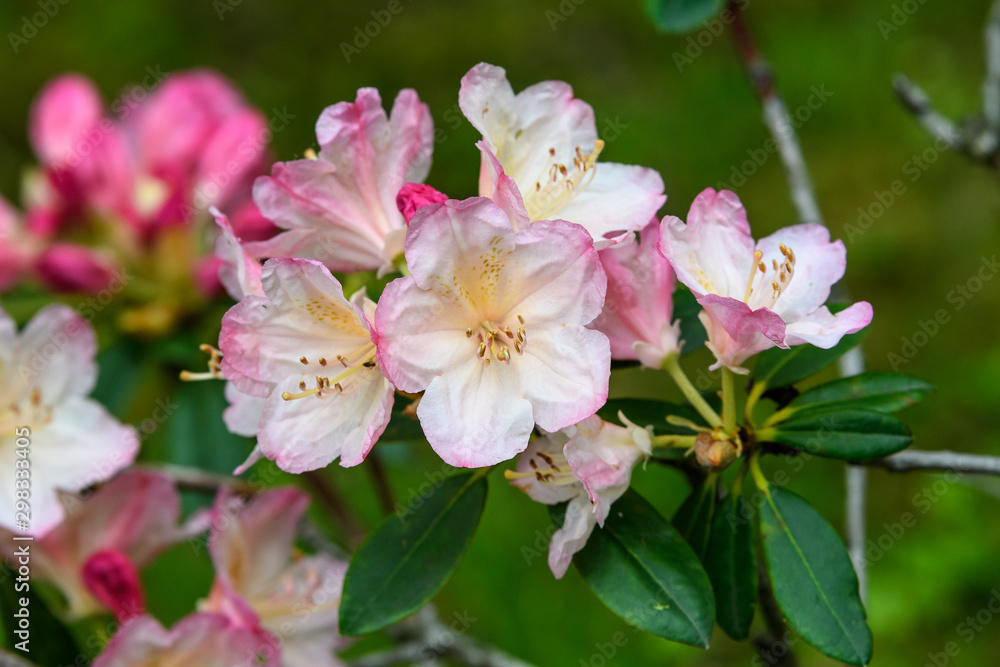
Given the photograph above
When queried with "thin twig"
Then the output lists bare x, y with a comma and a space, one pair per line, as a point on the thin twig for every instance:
905, 461
425, 638
381, 480
194, 479
775, 622
919, 104
327, 490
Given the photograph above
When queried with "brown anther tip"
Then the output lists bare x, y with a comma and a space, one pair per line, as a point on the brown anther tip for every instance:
552, 152
763, 269
468, 332
520, 319
774, 263
322, 361
303, 360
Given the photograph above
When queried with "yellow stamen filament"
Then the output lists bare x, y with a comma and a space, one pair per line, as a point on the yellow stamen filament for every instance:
757, 255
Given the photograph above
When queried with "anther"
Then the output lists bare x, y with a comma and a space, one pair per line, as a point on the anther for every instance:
482, 350
520, 319
304, 360
322, 361
468, 332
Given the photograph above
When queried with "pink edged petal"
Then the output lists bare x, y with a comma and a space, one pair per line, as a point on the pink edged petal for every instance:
346, 131
407, 158
83, 444
577, 526
819, 263
460, 416
202, 639
565, 374
55, 354
500, 187
409, 322
251, 542
309, 433
713, 252
243, 414
602, 456
304, 315
487, 99
620, 198
736, 333
255, 455
823, 329
325, 214
557, 279
61, 116
240, 273
550, 445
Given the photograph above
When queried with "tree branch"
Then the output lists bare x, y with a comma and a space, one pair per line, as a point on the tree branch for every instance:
194, 479
918, 103
425, 638
906, 461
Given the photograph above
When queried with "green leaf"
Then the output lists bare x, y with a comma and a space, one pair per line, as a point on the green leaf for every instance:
813, 579
680, 16
856, 435
402, 428
686, 309
881, 392
731, 563
777, 367
644, 571
49, 641
693, 519
407, 559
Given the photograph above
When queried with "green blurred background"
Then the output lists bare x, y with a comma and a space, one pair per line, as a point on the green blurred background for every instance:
696, 126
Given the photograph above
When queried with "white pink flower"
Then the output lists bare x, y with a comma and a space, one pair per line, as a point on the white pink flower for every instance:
308, 351
590, 466
539, 158
71, 441
202, 640
491, 326
340, 208
638, 311
94, 555
758, 296
261, 582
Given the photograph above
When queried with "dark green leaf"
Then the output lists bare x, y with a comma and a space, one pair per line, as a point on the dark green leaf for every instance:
645, 572
731, 563
693, 520
777, 367
855, 435
881, 392
813, 579
686, 309
409, 557
650, 412
402, 428
680, 16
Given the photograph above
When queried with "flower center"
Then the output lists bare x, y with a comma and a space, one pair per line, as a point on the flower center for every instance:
30, 413
548, 468
496, 343
557, 184
361, 358
766, 283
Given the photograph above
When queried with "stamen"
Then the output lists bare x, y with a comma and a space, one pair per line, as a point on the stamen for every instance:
757, 255
520, 319
468, 332
482, 350
304, 360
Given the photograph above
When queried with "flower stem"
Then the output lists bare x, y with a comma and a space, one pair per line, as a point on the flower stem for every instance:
758, 476
674, 440
671, 365
728, 401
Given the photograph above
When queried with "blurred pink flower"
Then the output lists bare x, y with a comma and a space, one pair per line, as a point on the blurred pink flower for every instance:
69, 267
303, 331
340, 208
638, 311
45, 374
261, 582
491, 327
198, 640
94, 554
539, 158
757, 297
590, 465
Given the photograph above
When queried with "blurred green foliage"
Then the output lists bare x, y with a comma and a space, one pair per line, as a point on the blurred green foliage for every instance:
696, 122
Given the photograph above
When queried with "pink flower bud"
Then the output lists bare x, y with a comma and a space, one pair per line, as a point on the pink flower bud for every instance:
414, 195
113, 580
66, 110
65, 267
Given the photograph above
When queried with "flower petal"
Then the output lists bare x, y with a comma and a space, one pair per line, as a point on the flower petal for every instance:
819, 263
620, 198
577, 526
823, 329
736, 333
